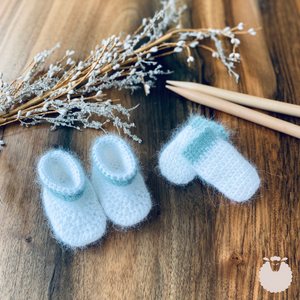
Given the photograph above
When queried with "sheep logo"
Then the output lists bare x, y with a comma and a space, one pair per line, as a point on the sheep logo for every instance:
275, 275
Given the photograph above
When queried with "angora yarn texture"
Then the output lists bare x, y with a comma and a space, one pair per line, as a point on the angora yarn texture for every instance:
201, 148
70, 202
118, 182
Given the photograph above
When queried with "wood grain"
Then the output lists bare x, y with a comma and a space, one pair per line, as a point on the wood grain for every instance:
196, 244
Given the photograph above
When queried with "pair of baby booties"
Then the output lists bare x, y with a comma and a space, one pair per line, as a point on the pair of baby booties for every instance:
77, 208
200, 148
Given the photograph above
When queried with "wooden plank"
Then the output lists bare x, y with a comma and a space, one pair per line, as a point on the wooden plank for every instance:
196, 244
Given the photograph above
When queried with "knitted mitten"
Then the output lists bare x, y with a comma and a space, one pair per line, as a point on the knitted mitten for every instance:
69, 200
210, 156
118, 182
171, 162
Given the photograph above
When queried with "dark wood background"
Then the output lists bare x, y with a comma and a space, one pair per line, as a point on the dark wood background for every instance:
196, 244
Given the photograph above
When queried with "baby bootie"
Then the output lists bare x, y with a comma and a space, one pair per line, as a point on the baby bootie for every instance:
69, 200
210, 156
118, 182
171, 162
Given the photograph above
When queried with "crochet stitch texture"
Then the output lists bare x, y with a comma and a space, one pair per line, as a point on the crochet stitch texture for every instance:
69, 200
119, 169
172, 163
207, 153
118, 182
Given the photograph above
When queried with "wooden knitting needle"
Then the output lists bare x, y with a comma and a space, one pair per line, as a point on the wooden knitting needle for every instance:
238, 111
243, 99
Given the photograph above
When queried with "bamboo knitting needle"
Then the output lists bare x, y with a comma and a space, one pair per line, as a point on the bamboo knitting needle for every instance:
247, 100
238, 111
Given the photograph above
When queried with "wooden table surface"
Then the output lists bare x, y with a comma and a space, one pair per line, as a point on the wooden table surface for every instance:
196, 244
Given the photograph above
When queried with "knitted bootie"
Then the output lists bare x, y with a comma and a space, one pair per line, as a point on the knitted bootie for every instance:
171, 162
219, 164
118, 182
202, 149
69, 200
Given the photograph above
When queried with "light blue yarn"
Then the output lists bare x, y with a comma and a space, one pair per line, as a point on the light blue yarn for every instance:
199, 146
66, 197
209, 131
199, 122
66, 194
116, 180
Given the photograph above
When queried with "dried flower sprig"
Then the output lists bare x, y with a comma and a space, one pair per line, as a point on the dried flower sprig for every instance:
71, 94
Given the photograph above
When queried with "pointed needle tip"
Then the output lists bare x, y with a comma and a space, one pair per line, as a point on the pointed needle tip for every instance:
173, 82
169, 87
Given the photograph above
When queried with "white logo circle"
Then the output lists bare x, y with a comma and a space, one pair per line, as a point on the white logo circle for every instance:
279, 278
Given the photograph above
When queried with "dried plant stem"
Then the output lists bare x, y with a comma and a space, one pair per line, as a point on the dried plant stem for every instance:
69, 93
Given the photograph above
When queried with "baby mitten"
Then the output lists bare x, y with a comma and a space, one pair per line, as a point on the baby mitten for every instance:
172, 163
69, 200
118, 182
217, 162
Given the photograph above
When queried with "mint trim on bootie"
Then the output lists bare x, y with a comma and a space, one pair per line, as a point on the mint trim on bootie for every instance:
172, 164
130, 165
202, 149
219, 164
200, 123
70, 202
199, 146
118, 183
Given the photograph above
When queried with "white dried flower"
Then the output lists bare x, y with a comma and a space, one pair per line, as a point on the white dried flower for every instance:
180, 43
154, 49
190, 59
235, 41
132, 71
194, 44
177, 49
240, 26
147, 88
252, 31
117, 66
200, 35
226, 29
237, 55
1, 148
27, 77
62, 111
